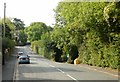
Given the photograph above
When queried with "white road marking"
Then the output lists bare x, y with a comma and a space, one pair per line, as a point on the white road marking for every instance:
60, 70
51, 66
64, 73
72, 78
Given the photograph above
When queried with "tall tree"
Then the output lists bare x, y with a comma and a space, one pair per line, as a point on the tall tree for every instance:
22, 37
18, 23
10, 27
35, 30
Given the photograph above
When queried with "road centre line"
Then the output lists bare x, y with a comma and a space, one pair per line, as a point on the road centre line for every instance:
72, 78
60, 70
67, 75
64, 73
51, 66
57, 69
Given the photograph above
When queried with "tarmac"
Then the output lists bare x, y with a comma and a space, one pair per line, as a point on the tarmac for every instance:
109, 71
7, 70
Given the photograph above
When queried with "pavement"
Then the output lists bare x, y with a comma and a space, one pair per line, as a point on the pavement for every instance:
8, 68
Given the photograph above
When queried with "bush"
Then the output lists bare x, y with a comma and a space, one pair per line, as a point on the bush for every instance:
7, 43
35, 46
7, 47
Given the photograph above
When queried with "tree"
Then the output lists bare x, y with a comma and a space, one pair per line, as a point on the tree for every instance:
10, 28
22, 37
35, 30
19, 24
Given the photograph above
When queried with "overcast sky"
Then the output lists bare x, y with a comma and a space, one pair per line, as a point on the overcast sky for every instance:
30, 10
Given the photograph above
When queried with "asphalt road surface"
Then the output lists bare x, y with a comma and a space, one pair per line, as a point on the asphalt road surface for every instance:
41, 68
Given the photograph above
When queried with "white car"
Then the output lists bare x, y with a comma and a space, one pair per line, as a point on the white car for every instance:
19, 54
23, 59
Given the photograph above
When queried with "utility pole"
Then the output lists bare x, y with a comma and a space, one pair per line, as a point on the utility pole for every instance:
3, 52
4, 19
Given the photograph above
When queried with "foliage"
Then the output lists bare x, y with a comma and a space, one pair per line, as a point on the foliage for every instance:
7, 43
10, 28
22, 37
8, 22
93, 28
35, 30
87, 30
19, 24
7, 31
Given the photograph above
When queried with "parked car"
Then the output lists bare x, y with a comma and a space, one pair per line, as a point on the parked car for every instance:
19, 54
23, 59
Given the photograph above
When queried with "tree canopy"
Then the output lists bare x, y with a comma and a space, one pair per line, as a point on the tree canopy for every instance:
35, 30
19, 24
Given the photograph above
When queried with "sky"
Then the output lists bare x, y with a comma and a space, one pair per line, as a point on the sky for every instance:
30, 10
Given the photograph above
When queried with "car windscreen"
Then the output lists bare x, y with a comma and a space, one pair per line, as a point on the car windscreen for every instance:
23, 57
20, 52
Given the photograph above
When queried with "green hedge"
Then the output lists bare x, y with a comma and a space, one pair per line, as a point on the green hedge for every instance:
8, 43
104, 56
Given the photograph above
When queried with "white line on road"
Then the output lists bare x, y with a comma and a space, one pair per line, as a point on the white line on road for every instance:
67, 75
57, 69
72, 78
60, 70
51, 66
64, 73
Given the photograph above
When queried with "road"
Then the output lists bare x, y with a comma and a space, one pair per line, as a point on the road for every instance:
41, 68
